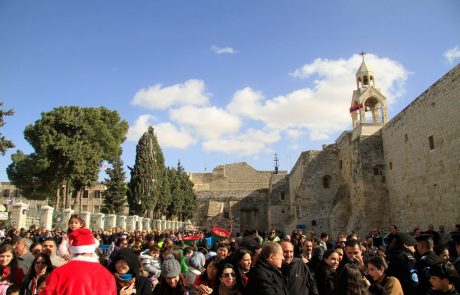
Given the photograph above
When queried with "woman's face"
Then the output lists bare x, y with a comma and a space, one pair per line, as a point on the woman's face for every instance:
40, 265
228, 277
333, 261
340, 253
374, 272
74, 224
245, 262
122, 267
173, 281
5, 258
211, 271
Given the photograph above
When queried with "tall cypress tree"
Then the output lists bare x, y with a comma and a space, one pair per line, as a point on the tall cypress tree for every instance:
115, 194
148, 188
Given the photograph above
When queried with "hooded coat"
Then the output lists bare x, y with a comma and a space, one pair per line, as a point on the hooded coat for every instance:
143, 285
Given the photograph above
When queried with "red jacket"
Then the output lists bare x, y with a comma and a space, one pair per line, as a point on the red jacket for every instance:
80, 278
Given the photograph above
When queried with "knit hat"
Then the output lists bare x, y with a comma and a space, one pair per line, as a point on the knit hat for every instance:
82, 241
170, 267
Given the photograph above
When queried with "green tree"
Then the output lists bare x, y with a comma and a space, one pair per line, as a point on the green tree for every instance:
115, 194
183, 199
177, 193
4, 143
148, 187
70, 142
189, 204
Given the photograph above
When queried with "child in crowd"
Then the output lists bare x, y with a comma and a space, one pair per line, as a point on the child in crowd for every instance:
75, 222
150, 261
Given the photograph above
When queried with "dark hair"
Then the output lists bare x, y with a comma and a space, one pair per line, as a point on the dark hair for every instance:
444, 270
239, 254
50, 239
328, 253
42, 279
223, 245
75, 216
350, 282
13, 263
352, 243
33, 245
215, 260
13, 288
48, 263
378, 262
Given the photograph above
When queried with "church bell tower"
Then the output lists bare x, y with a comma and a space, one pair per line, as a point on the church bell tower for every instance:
368, 104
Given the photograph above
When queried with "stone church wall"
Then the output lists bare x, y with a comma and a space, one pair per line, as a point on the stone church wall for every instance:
424, 181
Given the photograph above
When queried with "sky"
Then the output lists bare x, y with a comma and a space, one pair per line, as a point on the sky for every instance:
220, 81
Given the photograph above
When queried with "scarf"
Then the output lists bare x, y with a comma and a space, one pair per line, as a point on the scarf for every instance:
125, 280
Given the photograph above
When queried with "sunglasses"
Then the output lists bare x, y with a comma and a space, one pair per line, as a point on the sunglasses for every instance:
228, 274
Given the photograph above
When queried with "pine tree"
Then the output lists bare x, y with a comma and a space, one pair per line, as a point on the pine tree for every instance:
188, 204
115, 194
177, 193
4, 143
148, 188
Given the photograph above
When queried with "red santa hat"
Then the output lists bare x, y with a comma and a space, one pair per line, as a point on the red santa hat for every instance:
82, 241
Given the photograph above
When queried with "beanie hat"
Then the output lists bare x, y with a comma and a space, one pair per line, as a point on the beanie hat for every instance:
82, 241
170, 267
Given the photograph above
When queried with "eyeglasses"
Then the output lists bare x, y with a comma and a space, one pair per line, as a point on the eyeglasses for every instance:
228, 274
272, 232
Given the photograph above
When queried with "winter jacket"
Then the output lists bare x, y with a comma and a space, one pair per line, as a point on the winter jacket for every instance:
265, 279
143, 285
325, 279
298, 278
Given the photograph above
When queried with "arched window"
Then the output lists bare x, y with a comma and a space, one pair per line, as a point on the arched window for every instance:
326, 181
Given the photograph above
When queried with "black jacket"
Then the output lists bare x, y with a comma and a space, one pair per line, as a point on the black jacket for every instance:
264, 279
325, 279
298, 278
143, 285
401, 264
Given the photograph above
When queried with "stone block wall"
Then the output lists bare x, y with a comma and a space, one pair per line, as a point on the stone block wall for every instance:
423, 180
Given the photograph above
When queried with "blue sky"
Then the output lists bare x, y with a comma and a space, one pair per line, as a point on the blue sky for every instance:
221, 81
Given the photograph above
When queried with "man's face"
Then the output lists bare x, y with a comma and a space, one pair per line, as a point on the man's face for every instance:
392, 230
441, 228
308, 246
430, 227
20, 248
276, 259
353, 252
49, 248
288, 252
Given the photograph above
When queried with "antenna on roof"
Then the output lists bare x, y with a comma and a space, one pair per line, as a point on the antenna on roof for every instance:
275, 161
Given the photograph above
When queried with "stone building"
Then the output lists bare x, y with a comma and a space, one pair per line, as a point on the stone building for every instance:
91, 199
221, 192
403, 171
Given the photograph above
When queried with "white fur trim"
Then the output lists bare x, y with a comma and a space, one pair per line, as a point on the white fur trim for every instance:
82, 249
92, 258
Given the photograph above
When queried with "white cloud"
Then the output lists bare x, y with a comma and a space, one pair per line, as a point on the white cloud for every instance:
192, 92
167, 134
223, 50
250, 123
321, 108
250, 143
208, 122
452, 54
139, 127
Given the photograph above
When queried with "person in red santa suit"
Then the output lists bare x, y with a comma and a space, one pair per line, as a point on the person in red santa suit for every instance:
83, 274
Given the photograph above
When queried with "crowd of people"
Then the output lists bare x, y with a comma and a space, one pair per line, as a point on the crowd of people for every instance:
81, 261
